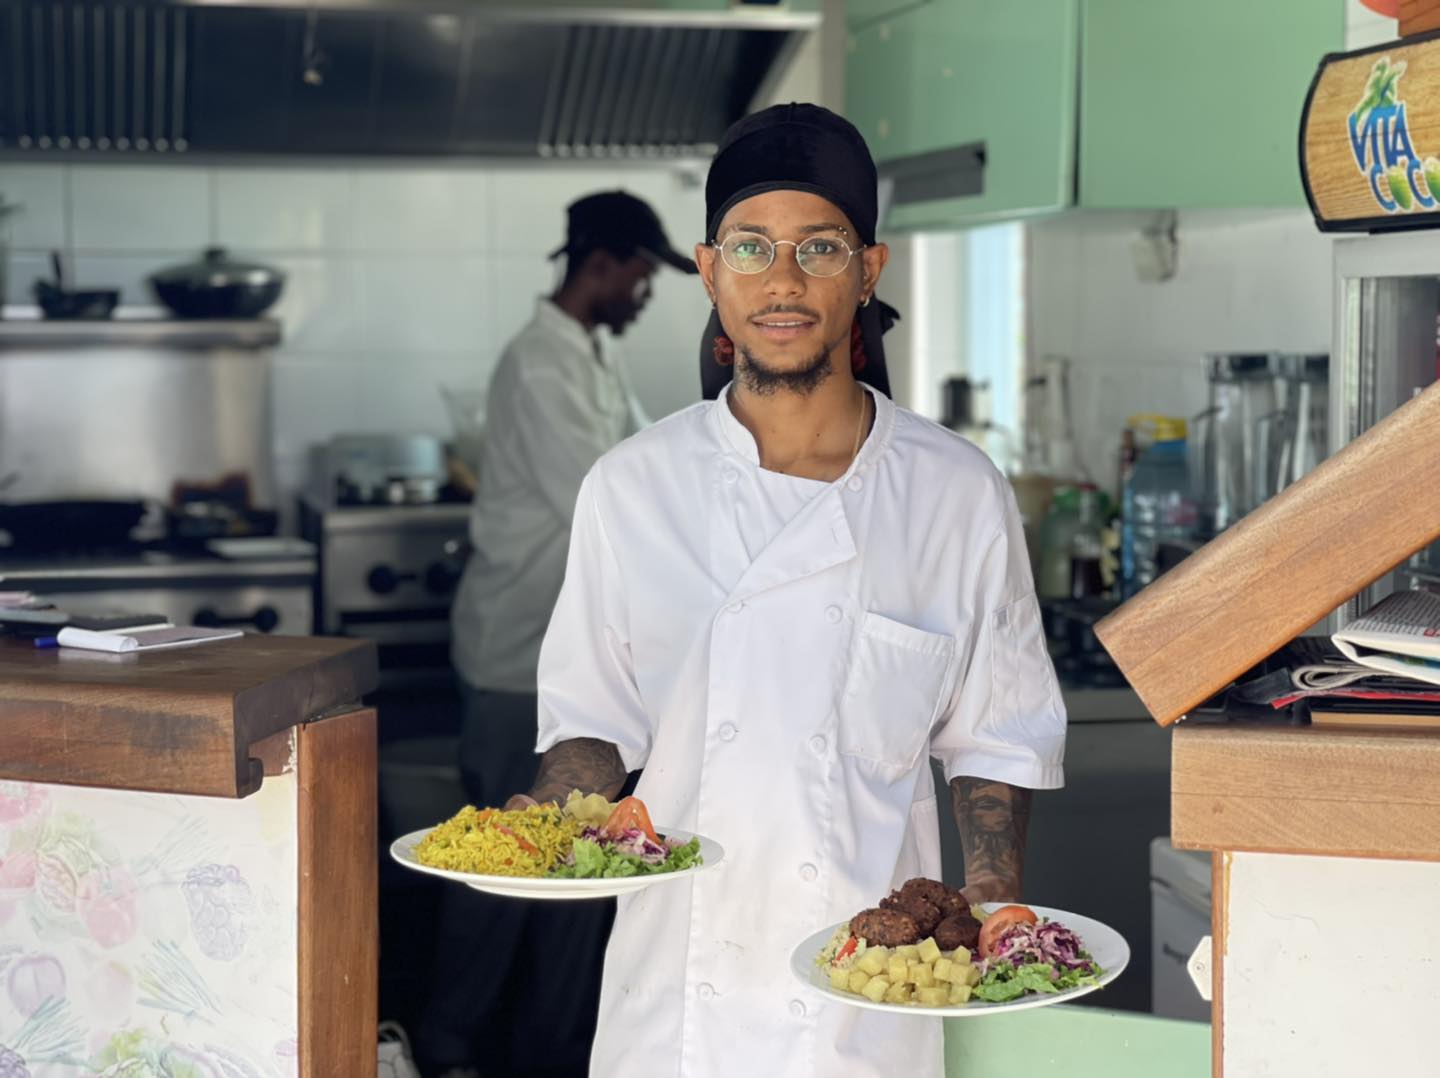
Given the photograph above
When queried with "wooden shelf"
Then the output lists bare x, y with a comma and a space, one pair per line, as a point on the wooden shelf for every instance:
1332, 792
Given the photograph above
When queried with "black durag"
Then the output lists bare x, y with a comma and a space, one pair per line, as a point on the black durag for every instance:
797, 148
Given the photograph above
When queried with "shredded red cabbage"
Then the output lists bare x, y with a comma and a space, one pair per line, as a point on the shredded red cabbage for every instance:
1048, 942
633, 841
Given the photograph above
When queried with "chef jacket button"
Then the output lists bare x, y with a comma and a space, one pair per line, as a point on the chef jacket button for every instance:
731, 475
728, 732
735, 608
855, 482
808, 872
817, 745
797, 1008
833, 614
705, 991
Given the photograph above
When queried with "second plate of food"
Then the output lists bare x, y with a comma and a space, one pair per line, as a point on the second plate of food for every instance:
923, 978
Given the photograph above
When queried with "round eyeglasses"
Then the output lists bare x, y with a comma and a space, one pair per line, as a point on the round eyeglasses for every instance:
819, 256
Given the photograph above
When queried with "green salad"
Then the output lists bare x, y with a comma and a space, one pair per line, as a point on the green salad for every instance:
595, 855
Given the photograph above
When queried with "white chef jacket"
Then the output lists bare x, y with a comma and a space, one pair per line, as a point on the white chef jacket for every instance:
783, 701
557, 401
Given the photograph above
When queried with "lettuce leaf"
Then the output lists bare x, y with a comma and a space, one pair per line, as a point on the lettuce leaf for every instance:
594, 861
1003, 982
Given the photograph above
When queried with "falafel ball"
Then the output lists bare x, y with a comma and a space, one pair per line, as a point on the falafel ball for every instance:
957, 930
948, 900
926, 915
885, 928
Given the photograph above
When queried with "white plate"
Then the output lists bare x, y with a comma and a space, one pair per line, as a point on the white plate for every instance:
1105, 945
403, 850
261, 546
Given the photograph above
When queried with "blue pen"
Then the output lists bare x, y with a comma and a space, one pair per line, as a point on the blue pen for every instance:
47, 641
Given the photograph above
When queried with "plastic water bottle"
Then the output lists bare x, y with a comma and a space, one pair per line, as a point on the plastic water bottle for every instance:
1157, 503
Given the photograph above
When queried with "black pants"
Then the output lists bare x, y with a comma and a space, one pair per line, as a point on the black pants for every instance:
517, 983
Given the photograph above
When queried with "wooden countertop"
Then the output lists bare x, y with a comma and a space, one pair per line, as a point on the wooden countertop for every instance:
186, 720
1341, 792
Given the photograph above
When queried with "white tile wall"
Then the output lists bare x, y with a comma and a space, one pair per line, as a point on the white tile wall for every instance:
40, 191
284, 209
399, 279
1246, 282
422, 210
139, 208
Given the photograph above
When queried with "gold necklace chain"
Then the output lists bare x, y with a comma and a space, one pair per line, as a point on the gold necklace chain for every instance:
859, 425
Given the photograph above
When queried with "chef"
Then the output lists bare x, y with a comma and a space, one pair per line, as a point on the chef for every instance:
780, 603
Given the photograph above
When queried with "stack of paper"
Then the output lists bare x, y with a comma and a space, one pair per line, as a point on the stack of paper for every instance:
146, 639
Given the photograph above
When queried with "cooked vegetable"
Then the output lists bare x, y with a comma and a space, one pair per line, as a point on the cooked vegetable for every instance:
996, 924
629, 814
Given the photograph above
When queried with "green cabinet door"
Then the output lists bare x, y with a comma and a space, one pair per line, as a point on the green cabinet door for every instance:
948, 73
860, 13
1187, 104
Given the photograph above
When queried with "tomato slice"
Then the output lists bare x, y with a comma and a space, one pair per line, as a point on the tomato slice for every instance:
996, 924
630, 812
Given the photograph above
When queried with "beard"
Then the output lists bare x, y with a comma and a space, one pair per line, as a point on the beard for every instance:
765, 381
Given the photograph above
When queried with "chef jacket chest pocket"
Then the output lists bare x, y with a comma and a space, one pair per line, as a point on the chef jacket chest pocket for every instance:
893, 691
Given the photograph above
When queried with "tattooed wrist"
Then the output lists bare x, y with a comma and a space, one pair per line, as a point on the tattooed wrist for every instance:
586, 764
993, 818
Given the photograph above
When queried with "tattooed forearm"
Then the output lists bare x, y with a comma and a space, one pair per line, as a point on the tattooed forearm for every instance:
583, 763
993, 818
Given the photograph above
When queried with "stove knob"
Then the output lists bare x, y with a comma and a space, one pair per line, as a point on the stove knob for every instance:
441, 578
383, 580
265, 619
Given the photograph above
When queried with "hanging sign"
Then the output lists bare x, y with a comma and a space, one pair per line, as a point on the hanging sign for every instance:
1370, 138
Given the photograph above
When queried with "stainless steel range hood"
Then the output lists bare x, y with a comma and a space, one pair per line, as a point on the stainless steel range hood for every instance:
148, 78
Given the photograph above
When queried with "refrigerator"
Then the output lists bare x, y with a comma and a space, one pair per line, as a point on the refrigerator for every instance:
1385, 349
1369, 133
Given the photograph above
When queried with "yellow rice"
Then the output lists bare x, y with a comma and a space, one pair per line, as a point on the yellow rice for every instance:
488, 841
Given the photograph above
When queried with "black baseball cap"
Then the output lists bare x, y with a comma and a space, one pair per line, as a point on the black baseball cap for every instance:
619, 222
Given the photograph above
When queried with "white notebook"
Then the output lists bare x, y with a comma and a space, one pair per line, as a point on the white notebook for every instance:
143, 639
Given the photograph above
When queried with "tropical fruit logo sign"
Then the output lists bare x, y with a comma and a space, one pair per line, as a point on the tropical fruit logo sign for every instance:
1380, 140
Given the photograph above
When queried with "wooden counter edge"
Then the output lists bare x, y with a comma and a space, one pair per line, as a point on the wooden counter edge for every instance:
1305, 790
338, 918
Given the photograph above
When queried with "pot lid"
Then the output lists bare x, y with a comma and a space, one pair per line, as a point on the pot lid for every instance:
217, 270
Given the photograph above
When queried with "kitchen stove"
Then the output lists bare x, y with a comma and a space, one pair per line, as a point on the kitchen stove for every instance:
259, 594
388, 573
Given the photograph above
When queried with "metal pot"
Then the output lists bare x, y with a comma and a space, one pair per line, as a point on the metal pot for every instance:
218, 287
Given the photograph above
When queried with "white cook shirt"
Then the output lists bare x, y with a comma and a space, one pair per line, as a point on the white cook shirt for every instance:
557, 401
782, 674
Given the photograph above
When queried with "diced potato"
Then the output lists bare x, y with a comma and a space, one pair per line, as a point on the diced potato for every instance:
840, 980
897, 993
874, 961
929, 949
899, 969
875, 989
909, 952
920, 975
932, 997
972, 976
959, 993
858, 979
960, 956
941, 969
